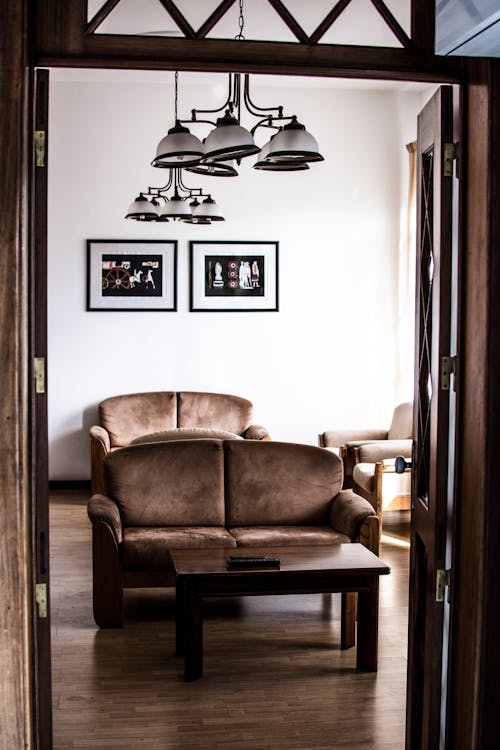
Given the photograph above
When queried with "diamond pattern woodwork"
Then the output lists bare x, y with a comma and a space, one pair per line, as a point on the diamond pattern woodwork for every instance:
426, 267
286, 16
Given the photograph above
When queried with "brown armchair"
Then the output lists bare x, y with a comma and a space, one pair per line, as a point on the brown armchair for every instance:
167, 415
376, 479
345, 442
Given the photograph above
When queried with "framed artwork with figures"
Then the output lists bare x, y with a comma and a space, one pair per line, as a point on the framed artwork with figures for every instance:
132, 275
234, 276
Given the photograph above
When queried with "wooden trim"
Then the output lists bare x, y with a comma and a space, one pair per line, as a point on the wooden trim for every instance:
62, 41
178, 18
475, 652
101, 16
328, 20
17, 689
218, 13
39, 411
392, 23
290, 21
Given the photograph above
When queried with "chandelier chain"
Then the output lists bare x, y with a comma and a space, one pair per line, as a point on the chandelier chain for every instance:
176, 94
241, 22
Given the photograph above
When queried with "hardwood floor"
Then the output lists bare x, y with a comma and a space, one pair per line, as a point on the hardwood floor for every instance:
274, 675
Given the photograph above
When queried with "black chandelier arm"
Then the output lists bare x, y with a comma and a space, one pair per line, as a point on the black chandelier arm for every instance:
229, 103
208, 122
253, 108
267, 122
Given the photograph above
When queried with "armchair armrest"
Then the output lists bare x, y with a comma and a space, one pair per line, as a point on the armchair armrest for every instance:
256, 432
337, 438
102, 509
101, 435
348, 512
372, 453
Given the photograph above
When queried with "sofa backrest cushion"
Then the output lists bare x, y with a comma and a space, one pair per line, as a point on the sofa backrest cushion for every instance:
214, 410
402, 422
126, 417
273, 483
178, 483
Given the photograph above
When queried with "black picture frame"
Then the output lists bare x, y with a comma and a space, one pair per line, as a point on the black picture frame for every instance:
233, 276
131, 275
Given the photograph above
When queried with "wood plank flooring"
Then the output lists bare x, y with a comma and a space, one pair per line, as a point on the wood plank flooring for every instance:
275, 677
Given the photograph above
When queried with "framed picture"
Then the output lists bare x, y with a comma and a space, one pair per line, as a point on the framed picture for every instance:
139, 275
233, 276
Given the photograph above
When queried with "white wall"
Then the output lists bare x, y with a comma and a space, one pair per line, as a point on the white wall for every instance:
328, 358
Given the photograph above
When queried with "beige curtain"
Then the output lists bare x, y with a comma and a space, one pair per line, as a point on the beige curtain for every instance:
407, 266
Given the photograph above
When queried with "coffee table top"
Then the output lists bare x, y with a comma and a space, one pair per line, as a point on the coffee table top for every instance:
349, 558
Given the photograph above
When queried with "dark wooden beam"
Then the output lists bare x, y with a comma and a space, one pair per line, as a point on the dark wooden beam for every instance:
423, 14
280, 58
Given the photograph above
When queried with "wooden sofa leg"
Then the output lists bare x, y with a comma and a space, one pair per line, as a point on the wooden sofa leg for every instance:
107, 578
348, 620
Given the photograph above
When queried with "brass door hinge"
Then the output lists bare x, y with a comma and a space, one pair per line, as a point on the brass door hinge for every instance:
442, 583
39, 367
448, 368
450, 153
39, 139
41, 599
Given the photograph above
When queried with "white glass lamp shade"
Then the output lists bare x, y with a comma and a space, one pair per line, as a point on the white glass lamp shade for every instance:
176, 208
208, 210
294, 143
267, 163
179, 148
229, 140
214, 169
191, 219
142, 210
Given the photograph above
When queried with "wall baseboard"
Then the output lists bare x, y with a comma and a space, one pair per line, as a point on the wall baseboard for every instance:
69, 484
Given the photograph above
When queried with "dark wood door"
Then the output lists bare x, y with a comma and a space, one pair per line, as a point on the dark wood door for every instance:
430, 421
39, 447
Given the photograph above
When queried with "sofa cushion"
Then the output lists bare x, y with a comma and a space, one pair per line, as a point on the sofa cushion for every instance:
126, 417
186, 433
277, 484
147, 548
176, 483
215, 410
275, 536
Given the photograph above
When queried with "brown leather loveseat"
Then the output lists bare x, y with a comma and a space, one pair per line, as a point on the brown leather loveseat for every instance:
213, 493
174, 414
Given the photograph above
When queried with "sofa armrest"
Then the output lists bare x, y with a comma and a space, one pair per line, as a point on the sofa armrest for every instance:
102, 509
256, 432
100, 446
348, 512
336, 438
100, 435
371, 453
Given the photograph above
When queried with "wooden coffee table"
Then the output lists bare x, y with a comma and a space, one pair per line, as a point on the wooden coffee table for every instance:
346, 568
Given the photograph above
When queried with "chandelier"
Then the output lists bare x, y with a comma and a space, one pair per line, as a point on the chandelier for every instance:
289, 148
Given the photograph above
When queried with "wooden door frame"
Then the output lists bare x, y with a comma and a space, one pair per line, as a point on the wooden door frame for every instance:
474, 653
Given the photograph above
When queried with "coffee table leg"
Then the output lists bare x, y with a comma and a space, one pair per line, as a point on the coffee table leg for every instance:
348, 620
367, 636
193, 638
180, 617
